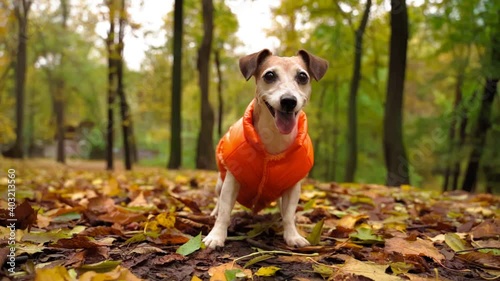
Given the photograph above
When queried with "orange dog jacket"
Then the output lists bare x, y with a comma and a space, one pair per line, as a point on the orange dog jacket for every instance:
263, 177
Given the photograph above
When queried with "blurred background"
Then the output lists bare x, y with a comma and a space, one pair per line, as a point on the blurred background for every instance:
410, 96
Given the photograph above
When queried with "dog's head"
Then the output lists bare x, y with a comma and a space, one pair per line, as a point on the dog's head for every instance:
283, 83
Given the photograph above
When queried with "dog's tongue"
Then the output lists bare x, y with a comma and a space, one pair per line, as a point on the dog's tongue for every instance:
284, 121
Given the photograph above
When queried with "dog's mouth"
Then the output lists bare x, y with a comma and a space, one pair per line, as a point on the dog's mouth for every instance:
284, 121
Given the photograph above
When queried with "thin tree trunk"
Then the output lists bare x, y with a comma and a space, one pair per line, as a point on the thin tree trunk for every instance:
484, 122
352, 138
21, 10
219, 92
335, 155
124, 108
110, 41
462, 135
452, 132
394, 150
205, 156
176, 124
59, 94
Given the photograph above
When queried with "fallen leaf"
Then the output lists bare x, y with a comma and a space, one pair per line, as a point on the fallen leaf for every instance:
315, 236
418, 247
455, 242
267, 271
366, 269
117, 274
218, 273
58, 273
190, 246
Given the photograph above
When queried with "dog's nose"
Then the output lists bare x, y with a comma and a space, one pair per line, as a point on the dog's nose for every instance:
288, 103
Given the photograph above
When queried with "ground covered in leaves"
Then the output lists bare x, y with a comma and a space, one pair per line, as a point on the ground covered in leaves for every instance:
81, 222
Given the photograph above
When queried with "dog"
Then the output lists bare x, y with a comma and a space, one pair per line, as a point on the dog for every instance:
265, 155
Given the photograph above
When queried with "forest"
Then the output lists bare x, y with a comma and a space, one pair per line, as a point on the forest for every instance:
410, 87
111, 111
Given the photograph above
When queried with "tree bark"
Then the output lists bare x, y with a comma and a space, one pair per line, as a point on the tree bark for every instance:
110, 42
352, 138
59, 94
205, 156
176, 124
124, 108
484, 122
452, 132
394, 150
21, 10
219, 93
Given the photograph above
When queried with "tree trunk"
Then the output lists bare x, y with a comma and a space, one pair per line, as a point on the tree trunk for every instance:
453, 124
219, 92
394, 150
483, 121
176, 125
21, 10
110, 42
462, 134
59, 94
124, 108
335, 155
352, 139
205, 156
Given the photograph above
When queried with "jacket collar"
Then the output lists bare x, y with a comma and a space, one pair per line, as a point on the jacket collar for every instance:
254, 140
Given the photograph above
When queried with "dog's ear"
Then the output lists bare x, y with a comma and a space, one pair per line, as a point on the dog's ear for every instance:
317, 66
250, 63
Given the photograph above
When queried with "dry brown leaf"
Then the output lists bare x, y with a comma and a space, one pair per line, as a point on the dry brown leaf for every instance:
418, 247
366, 269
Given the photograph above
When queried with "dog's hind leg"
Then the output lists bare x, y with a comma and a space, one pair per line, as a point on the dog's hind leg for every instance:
218, 187
288, 207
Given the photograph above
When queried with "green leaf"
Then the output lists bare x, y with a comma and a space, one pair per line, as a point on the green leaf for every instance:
100, 267
364, 235
72, 216
230, 274
190, 246
267, 271
401, 267
455, 242
315, 236
136, 238
323, 270
309, 205
257, 259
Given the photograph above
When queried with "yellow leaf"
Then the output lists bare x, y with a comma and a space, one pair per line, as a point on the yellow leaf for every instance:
267, 271
166, 219
112, 188
195, 278
117, 274
58, 273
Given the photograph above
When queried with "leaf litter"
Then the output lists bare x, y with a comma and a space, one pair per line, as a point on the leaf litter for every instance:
89, 224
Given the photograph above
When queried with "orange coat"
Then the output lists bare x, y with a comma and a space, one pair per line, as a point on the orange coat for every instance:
263, 177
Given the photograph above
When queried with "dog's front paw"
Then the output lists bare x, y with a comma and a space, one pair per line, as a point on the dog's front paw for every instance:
215, 239
296, 240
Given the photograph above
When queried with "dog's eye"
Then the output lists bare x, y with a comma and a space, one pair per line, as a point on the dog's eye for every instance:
302, 78
270, 77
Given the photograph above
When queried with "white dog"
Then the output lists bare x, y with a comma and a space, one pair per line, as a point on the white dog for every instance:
265, 155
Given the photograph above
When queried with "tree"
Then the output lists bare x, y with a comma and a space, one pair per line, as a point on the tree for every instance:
21, 11
59, 93
112, 68
176, 124
205, 156
352, 143
124, 108
483, 121
394, 151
